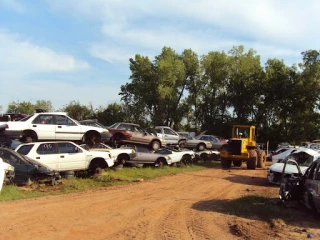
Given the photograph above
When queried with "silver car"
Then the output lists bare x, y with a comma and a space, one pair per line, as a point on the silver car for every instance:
193, 143
146, 156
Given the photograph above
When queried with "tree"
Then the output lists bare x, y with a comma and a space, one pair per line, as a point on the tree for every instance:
43, 104
21, 107
77, 111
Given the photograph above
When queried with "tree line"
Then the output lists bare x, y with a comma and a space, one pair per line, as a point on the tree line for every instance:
212, 92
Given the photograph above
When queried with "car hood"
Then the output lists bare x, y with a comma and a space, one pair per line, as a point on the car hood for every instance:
278, 167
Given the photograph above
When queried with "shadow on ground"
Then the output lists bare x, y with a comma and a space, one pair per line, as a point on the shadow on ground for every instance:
256, 207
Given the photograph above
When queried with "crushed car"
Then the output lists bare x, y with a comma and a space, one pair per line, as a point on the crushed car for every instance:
303, 156
299, 186
26, 170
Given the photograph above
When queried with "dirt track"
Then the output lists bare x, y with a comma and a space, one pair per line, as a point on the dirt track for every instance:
184, 206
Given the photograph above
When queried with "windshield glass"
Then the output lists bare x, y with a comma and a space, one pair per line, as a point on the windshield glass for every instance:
113, 125
25, 119
303, 159
241, 132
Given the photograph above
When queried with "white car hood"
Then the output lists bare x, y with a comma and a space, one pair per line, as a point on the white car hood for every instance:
278, 167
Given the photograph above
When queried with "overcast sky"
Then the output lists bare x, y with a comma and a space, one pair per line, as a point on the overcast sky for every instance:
64, 50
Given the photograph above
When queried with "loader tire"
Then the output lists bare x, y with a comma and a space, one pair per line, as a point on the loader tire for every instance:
262, 158
252, 161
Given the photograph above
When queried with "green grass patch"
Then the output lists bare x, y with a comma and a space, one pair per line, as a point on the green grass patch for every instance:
109, 177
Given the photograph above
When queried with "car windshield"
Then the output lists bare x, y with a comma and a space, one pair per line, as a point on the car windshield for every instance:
303, 159
25, 149
25, 119
113, 125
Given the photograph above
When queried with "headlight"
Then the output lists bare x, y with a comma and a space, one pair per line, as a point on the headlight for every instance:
105, 131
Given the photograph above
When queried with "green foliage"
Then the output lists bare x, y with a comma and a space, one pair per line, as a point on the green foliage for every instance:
28, 107
77, 111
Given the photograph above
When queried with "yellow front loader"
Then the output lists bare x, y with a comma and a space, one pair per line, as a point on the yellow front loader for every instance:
242, 147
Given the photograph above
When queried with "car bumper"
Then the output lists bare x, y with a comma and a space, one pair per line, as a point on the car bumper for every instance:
13, 134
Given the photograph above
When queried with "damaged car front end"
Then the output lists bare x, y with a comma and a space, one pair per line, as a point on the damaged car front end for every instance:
303, 187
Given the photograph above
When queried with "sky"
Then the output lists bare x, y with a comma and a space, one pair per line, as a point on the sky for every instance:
79, 50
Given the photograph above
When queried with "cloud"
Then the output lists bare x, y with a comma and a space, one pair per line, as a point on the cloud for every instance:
26, 57
277, 28
13, 4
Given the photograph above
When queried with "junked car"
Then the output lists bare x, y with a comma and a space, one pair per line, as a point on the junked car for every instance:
304, 158
303, 187
126, 133
145, 156
49, 126
121, 155
169, 135
193, 143
65, 156
26, 170
282, 153
178, 156
216, 143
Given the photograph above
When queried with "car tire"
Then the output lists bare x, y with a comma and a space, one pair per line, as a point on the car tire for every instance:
201, 147
160, 162
155, 145
182, 144
68, 174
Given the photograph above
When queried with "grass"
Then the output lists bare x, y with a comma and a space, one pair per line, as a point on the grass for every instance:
109, 177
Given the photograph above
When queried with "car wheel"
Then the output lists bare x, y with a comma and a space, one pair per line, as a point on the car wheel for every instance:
117, 140
155, 145
201, 147
68, 174
182, 144
160, 162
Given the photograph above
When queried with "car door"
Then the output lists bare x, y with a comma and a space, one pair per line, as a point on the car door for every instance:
71, 157
143, 155
67, 129
139, 135
47, 154
311, 186
44, 126
170, 136
20, 167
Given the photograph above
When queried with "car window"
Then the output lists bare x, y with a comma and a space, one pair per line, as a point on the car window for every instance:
205, 138
25, 149
46, 148
68, 148
158, 130
43, 119
164, 151
63, 120
169, 131
9, 158
124, 127
213, 139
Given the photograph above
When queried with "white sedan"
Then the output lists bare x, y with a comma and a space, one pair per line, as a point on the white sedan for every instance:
66, 156
282, 153
303, 156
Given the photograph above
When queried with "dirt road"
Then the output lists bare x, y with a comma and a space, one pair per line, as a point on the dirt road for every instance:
184, 206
